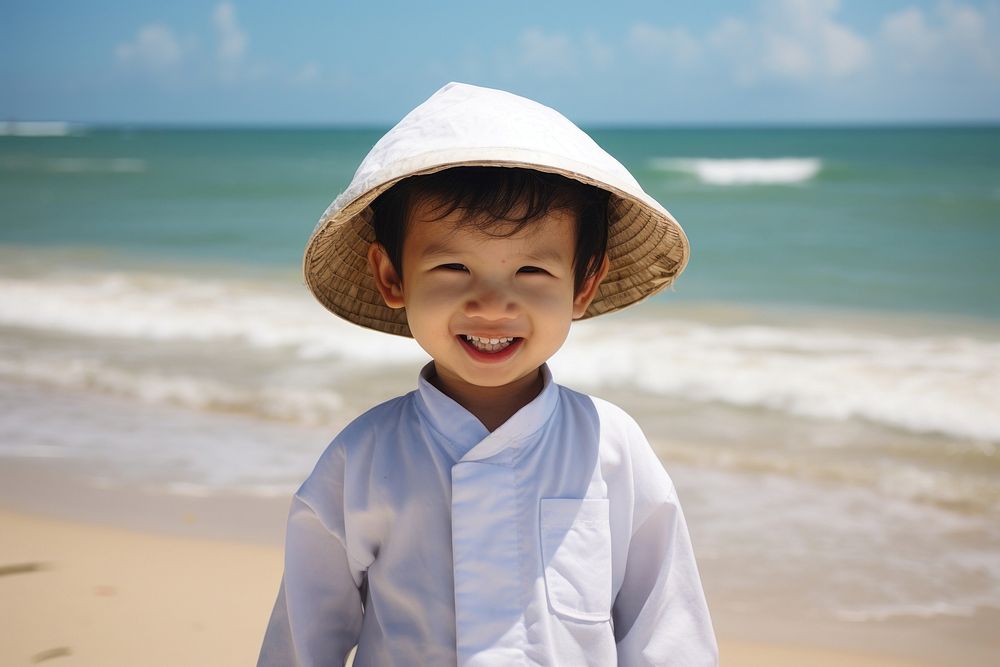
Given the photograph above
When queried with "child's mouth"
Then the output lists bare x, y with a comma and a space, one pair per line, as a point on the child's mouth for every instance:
487, 344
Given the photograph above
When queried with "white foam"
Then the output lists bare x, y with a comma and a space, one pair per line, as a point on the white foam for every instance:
178, 450
115, 165
932, 609
306, 405
35, 128
156, 307
744, 171
942, 384
73, 165
256, 490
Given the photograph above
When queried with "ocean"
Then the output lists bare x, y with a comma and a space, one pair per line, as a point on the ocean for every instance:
823, 382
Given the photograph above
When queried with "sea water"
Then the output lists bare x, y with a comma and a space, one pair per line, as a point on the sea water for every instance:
823, 381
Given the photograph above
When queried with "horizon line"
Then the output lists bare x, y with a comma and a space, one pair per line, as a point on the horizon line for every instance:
11, 127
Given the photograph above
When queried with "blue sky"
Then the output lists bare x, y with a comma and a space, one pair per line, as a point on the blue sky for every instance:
312, 62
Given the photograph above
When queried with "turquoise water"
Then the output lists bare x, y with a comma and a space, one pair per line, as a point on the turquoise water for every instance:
894, 219
846, 277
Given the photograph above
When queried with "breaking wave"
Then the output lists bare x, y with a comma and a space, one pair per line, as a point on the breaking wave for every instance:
36, 128
73, 165
939, 384
743, 171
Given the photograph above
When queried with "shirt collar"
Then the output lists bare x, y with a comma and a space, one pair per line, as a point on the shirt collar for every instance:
466, 437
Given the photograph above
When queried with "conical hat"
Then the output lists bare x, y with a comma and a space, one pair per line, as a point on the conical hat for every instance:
464, 125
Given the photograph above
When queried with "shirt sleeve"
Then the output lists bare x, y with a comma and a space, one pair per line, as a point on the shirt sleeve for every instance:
317, 617
660, 614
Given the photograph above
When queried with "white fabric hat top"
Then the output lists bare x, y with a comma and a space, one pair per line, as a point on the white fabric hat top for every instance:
464, 125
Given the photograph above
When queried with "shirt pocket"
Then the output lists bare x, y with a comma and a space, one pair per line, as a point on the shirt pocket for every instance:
576, 556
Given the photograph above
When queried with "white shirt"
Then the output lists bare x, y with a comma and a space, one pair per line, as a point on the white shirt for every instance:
423, 538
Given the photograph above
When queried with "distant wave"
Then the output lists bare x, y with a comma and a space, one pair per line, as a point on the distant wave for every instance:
117, 165
743, 171
934, 384
70, 165
36, 128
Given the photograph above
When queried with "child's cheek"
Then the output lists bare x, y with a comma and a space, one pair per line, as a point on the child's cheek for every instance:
436, 295
550, 298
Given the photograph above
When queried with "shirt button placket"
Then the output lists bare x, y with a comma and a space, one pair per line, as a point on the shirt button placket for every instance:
489, 627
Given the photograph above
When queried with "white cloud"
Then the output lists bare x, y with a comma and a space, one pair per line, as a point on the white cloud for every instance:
597, 52
953, 38
154, 48
546, 54
307, 74
846, 51
786, 57
232, 39
734, 40
908, 37
790, 40
554, 55
663, 46
157, 50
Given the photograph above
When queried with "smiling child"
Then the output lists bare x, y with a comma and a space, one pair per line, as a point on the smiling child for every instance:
491, 516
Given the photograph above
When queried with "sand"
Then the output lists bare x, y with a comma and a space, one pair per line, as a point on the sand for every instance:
79, 593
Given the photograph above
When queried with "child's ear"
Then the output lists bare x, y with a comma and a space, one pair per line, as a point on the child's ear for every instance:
588, 290
387, 279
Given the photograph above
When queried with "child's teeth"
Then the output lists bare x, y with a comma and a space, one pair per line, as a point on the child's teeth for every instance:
484, 344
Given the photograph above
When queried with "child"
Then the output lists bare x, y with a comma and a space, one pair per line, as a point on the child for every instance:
491, 517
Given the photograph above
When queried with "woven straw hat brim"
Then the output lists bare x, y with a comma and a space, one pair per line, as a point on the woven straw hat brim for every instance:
647, 249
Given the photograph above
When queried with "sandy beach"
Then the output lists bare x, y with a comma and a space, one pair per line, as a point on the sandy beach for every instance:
134, 578
75, 593
81, 594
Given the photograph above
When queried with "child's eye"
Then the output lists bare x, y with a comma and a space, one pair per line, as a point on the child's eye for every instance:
531, 269
454, 267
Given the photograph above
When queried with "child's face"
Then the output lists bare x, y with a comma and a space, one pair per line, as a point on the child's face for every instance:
462, 287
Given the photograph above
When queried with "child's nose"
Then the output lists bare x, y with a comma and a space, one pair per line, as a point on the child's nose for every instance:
491, 302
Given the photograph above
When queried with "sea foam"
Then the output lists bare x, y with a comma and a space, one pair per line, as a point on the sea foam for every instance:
299, 404
115, 165
932, 384
35, 128
164, 308
936, 384
743, 171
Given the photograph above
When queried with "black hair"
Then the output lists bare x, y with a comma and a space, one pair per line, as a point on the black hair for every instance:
512, 195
